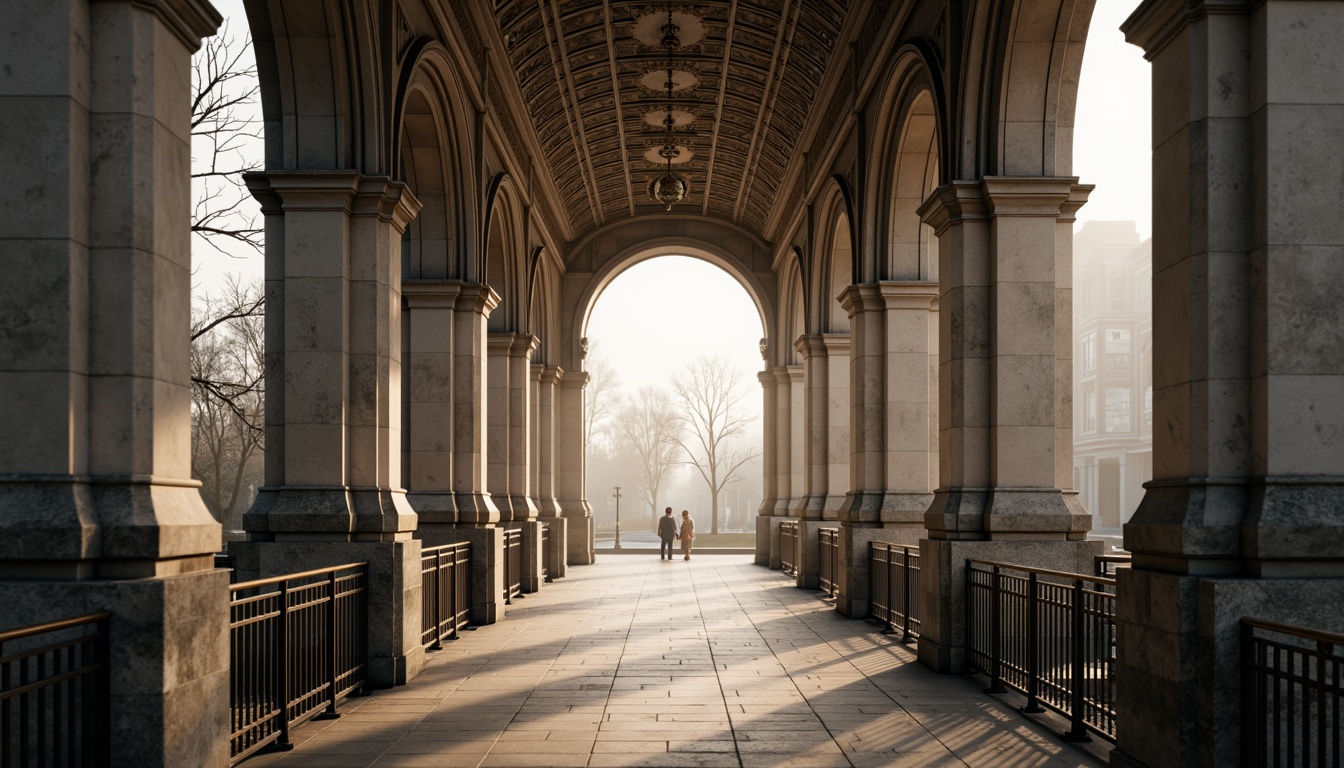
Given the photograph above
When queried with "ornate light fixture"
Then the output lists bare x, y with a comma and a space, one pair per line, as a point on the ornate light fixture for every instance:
669, 188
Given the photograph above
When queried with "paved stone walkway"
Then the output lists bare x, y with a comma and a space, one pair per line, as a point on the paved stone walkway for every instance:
639, 662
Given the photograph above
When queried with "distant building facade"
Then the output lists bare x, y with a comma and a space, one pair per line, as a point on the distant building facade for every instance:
1113, 371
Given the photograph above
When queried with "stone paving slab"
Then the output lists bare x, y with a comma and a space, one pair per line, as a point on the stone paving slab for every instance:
709, 663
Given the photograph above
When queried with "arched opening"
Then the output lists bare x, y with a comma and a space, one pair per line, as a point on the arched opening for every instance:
673, 407
431, 237
913, 249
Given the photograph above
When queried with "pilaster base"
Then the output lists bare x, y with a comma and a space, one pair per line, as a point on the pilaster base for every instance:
581, 539
559, 535
532, 555
767, 541
169, 664
371, 514
1178, 665
395, 653
942, 641
1004, 513
808, 560
852, 597
487, 565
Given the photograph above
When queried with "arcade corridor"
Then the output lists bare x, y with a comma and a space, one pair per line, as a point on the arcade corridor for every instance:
716, 662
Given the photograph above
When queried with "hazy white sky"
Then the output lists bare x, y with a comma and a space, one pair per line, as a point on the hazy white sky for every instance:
657, 316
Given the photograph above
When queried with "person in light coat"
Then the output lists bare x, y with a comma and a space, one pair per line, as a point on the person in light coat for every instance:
687, 534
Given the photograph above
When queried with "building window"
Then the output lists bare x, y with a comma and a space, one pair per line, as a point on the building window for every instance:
1117, 288
1089, 353
1147, 406
1117, 349
1089, 409
1117, 409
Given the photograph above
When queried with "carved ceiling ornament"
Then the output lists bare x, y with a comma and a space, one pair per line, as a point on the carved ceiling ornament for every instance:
593, 79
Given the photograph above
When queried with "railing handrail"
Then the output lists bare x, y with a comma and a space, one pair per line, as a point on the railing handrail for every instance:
1043, 571
52, 626
290, 576
445, 547
1306, 633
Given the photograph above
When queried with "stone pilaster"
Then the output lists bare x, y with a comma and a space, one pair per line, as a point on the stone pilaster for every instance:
571, 469
546, 380
333, 412
472, 310
428, 419
1004, 405
98, 511
1245, 512
893, 456
826, 439
520, 427
770, 474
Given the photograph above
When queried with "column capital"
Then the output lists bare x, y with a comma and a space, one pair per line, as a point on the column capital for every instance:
810, 345
280, 191
389, 200
1155, 22
954, 203
552, 374
768, 378
1051, 196
866, 297
431, 294
575, 380
524, 345
190, 20
476, 297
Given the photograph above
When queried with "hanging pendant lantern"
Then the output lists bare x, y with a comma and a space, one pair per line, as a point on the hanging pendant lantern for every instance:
670, 187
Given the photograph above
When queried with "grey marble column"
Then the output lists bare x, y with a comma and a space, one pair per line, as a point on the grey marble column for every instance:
1245, 512
571, 469
1004, 405
546, 380
428, 408
98, 511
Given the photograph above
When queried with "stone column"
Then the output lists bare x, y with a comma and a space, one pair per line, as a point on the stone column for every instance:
98, 511
894, 390
520, 427
497, 411
1005, 403
571, 468
826, 440
546, 380
428, 420
770, 475
1245, 512
333, 411
475, 507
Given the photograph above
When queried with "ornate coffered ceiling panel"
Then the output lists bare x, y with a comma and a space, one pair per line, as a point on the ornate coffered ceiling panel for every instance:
745, 78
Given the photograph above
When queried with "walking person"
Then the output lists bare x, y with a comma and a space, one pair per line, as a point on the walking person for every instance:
687, 534
667, 531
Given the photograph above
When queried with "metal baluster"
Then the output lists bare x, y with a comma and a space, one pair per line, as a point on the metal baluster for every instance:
1033, 706
282, 656
332, 672
908, 597
1077, 730
995, 632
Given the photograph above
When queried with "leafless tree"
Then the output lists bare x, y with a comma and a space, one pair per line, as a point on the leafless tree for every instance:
650, 427
601, 395
709, 393
227, 364
223, 132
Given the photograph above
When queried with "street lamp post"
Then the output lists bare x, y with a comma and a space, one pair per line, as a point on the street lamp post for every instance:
617, 494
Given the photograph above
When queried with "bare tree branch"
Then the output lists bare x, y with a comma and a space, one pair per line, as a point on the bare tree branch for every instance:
710, 393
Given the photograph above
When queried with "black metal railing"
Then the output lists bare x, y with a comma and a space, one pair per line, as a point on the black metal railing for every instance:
445, 583
54, 706
828, 559
513, 564
788, 547
1293, 693
1048, 634
893, 588
297, 646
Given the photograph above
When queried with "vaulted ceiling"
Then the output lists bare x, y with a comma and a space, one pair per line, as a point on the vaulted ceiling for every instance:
592, 73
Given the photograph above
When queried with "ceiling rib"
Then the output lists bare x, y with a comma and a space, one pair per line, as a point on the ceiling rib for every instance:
718, 106
771, 92
616, 94
574, 116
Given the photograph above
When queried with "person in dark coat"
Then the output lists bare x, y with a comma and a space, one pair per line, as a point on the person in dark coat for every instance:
667, 531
